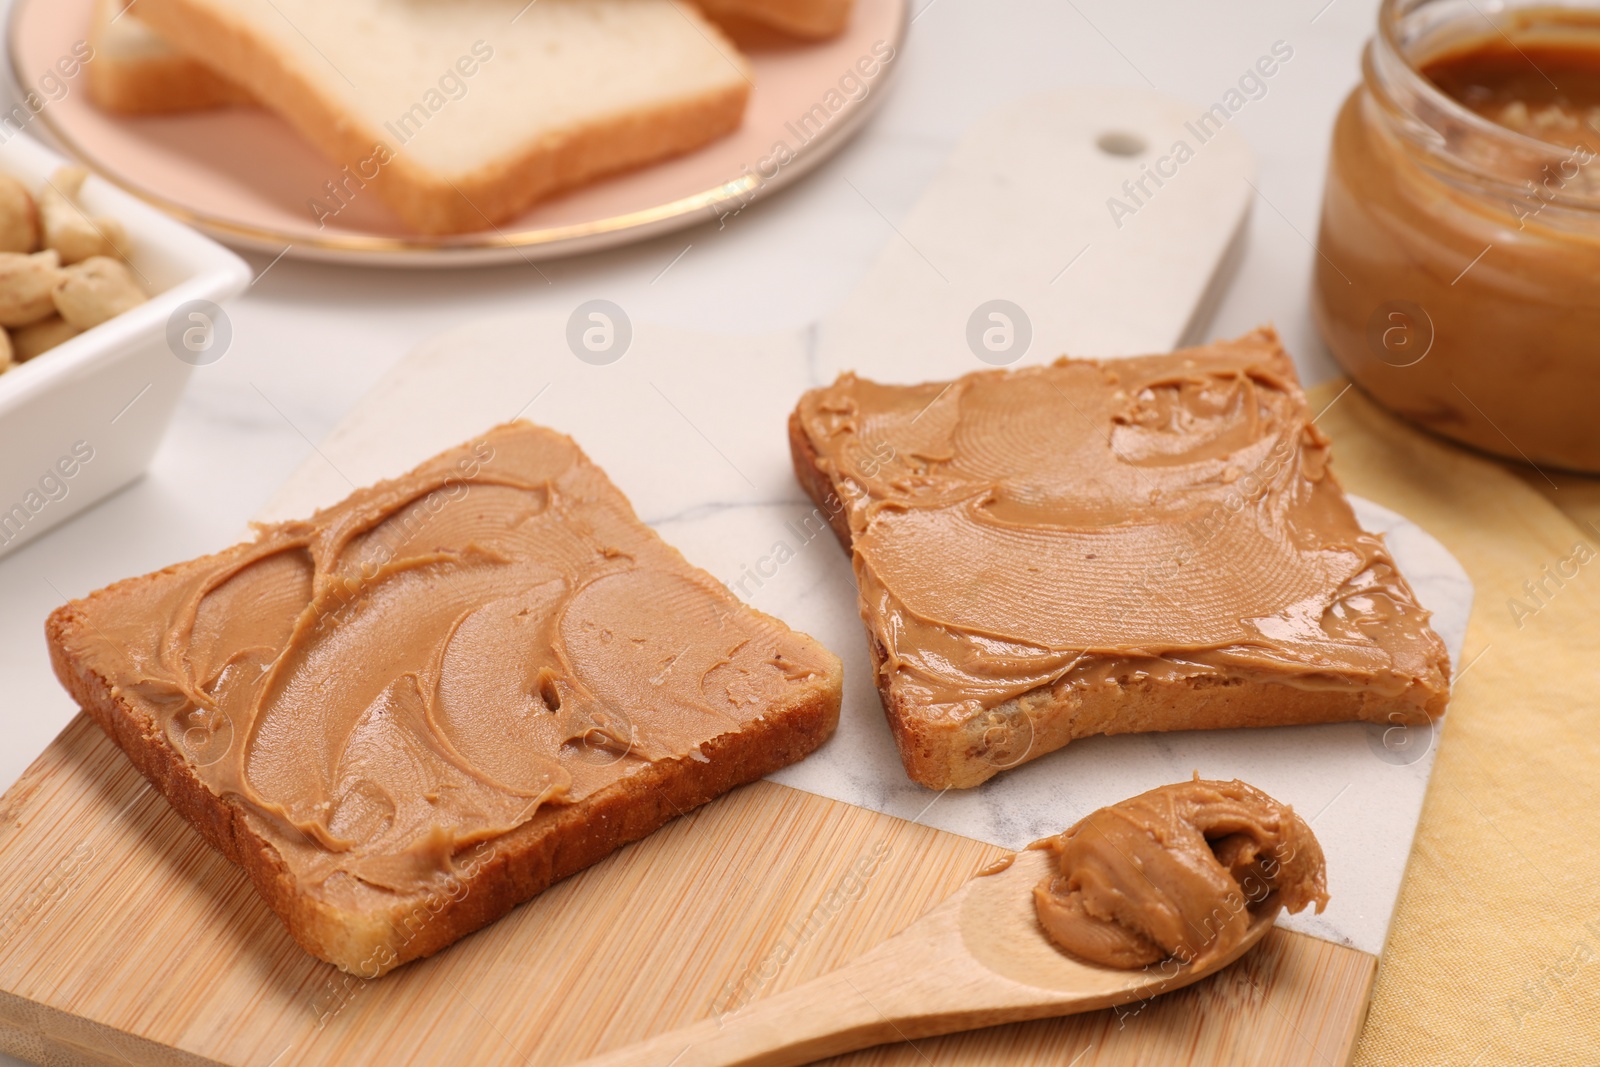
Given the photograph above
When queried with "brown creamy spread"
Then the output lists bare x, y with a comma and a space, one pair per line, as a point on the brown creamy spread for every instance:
424, 665
1087, 523
1458, 280
1549, 89
1177, 873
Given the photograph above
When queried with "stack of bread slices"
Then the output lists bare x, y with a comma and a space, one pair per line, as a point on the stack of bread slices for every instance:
459, 115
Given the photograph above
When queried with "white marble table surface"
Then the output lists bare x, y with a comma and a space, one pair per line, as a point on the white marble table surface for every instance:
310, 340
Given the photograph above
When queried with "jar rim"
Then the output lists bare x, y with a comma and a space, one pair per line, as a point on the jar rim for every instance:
1386, 61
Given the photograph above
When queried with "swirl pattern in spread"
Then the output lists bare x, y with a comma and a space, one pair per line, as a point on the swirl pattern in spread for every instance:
425, 665
1180, 872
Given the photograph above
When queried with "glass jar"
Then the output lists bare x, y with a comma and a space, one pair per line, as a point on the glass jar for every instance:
1458, 275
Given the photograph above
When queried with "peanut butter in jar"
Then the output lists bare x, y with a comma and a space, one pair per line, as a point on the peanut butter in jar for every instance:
1459, 275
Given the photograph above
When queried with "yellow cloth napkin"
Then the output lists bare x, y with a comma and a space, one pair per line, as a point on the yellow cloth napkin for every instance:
1494, 952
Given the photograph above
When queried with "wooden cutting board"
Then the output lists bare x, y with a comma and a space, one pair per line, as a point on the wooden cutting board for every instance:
125, 940
128, 941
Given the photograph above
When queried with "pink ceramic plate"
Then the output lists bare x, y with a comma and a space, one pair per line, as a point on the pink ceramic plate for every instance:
244, 176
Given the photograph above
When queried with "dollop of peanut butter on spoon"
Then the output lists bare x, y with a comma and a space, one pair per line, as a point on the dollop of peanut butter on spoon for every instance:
1179, 872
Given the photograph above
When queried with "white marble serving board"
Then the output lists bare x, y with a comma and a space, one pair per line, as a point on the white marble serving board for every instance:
1097, 252
692, 428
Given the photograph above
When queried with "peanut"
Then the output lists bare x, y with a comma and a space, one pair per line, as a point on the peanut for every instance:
95, 290
68, 229
26, 285
19, 218
41, 337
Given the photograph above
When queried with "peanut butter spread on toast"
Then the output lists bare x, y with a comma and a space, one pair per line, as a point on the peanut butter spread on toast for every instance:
1089, 523
428, 663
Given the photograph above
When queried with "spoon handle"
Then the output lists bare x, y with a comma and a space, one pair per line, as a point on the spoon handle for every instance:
919, 983
824, 1017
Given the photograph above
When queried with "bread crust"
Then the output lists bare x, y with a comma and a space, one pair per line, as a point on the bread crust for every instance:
943, 753
557, 841
811, 19
428, 203
144, 83
158, 87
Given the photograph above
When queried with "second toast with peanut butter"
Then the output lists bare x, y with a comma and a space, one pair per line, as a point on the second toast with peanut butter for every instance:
1131, 545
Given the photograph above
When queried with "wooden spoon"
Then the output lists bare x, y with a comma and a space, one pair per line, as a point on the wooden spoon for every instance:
978, 959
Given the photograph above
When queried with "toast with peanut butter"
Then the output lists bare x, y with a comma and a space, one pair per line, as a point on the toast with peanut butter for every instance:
1130, 545
418, 708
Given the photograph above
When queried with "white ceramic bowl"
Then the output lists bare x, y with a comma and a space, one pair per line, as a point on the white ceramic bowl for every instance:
83, 419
